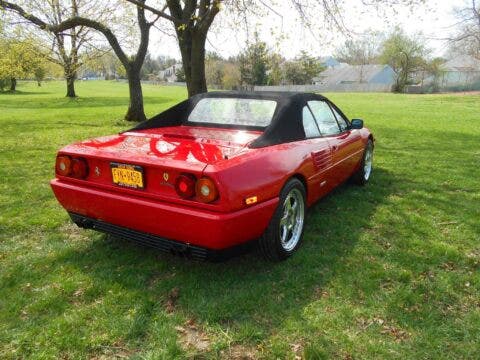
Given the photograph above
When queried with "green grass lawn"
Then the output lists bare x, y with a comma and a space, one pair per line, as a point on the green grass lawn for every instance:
390, 270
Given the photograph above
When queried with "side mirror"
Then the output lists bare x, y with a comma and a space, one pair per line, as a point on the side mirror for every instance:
356, 124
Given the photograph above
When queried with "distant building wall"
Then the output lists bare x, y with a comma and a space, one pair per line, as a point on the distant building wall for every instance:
458, 82
356, 74
386, 76
455, 78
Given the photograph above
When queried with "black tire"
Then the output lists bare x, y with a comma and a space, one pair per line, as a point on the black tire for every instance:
361, 176
270, 243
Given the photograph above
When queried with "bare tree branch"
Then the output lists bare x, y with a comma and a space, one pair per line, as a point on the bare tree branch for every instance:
160, 13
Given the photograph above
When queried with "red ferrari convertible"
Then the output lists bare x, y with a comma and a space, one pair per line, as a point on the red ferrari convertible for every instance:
214, 172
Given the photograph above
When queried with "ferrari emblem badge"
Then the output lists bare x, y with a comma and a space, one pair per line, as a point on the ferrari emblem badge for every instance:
165, 176
97, 171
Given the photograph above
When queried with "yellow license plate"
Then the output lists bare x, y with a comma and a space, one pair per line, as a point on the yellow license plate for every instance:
130, 176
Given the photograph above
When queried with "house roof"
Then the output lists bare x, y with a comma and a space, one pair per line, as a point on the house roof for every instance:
462, 63
350, 74
171, 69
329, 61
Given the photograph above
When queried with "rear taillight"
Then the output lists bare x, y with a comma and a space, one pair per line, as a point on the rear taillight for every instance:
63, 165
206, 190
71, 166
185, 186
79, 168
188, 187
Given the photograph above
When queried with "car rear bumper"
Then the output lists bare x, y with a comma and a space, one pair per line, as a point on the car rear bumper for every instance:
159, 243
110, 212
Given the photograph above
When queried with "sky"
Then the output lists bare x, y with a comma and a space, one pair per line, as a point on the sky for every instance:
286, 34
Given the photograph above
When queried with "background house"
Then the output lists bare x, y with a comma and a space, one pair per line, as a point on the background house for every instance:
330, 62
170, 73
462, 70
356, 74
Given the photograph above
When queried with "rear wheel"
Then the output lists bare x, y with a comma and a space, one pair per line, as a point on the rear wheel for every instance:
362, 176
285, 231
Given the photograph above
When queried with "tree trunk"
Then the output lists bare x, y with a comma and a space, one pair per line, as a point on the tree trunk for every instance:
135, 110
13, 84
198, 82
70, 86
192, 49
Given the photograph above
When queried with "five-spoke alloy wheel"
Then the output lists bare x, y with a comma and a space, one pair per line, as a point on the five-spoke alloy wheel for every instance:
291, 223
363, 174
285, 231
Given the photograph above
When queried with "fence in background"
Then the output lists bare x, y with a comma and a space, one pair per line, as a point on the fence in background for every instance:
328, 88
152, 82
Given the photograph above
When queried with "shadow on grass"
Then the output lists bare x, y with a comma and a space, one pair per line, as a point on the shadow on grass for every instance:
20, 92
63, 123
78, 102
246, 292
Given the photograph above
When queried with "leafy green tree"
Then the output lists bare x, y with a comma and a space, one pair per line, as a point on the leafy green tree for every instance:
275, 76
254, 63
310, 65
435, 69
231, 76
405, 55
180, 73
39, 72
18, 59
293, 73
214, 70
302, 70
3, 84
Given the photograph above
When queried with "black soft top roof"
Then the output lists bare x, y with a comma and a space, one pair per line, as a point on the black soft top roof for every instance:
286, 124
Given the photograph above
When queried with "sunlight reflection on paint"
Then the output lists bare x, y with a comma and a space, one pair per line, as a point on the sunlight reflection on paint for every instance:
241, 137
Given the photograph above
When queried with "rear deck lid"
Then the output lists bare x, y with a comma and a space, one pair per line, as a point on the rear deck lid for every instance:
181, 147
151, 160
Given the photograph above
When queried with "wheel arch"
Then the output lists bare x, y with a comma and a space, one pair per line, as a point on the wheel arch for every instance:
370, 137
302, 179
